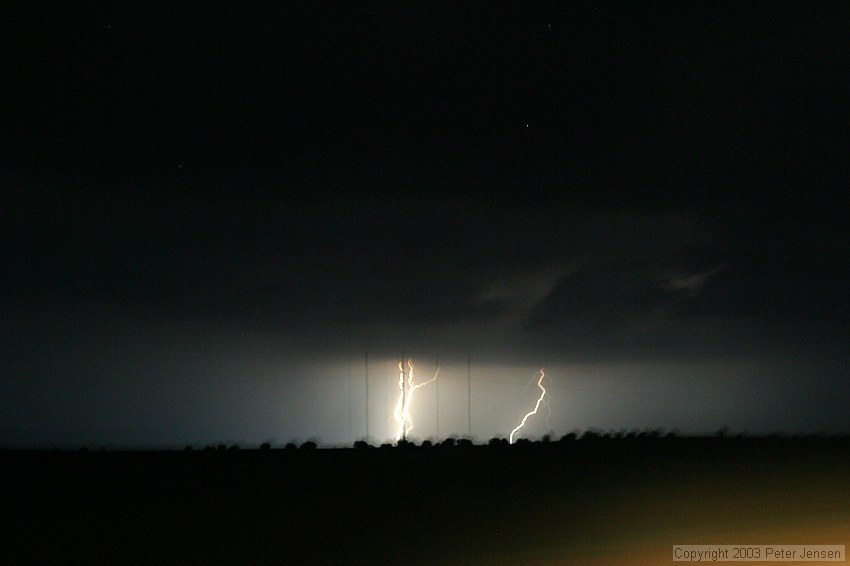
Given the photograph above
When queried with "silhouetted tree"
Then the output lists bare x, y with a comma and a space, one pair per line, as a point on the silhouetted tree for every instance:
265, 446
309, 445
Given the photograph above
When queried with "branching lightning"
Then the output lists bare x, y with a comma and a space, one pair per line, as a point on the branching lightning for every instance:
536, 406
403, 405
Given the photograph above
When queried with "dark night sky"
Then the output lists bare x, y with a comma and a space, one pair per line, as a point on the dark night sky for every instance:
210, 211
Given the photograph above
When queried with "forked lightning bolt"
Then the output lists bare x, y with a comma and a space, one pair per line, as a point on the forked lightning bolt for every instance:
536, 406
403, 405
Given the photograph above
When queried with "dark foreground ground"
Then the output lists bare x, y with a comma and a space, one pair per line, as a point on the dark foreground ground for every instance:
586, 501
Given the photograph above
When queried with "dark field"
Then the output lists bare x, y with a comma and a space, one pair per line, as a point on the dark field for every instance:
586, 501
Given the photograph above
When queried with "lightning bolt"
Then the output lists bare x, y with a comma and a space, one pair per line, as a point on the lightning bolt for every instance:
402, 406
398, 413
547, 402
536, 406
